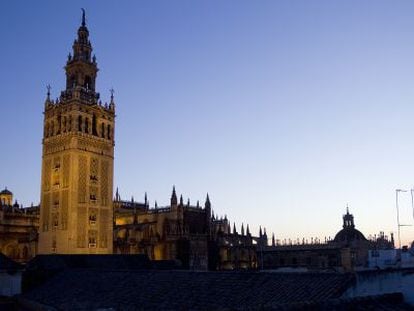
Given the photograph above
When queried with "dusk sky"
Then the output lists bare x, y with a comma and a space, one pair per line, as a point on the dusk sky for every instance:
283, 111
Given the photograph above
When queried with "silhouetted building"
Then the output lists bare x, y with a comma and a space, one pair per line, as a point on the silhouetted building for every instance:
348, 250
232, 250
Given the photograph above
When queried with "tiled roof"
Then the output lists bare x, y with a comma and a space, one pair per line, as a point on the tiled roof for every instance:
84, 289
61, 262
386, 302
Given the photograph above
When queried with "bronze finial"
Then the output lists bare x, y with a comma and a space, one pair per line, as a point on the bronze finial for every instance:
48, 87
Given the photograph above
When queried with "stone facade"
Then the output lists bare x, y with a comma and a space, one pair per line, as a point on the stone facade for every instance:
18, 228
77, 162
180, 231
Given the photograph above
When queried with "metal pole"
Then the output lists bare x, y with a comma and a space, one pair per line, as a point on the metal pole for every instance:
398, 214
412, 201
398, 217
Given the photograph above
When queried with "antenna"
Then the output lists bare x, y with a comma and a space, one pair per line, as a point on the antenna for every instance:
397, 191
412, 200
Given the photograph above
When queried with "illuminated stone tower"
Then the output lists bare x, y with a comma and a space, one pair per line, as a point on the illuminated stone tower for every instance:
77, 162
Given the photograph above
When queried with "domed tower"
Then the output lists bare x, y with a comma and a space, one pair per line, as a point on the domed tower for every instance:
77, 161
6, 197
349, 235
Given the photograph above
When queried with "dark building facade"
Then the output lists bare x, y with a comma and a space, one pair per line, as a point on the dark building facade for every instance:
347, 251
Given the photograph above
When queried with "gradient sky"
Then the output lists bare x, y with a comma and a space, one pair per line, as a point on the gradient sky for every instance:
284, 111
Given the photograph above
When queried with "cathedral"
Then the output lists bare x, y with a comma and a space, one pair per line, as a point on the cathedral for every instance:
80, 214
184, 232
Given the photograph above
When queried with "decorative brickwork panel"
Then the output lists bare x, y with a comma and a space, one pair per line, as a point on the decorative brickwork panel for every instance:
64, 209
82, 179
104, 183
47, 172
81, 223
45, 211
66, 170
94, 170
81, 210
103, 228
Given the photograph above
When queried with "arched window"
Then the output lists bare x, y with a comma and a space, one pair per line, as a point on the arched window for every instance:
94, 131
109, 131
86, 125
102, 130
71, 82
70, 124
88, 83
59, 124
80, 123
52, 128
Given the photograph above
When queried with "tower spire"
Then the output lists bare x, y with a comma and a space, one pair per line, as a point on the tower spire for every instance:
83, 18
207, 204
173, 197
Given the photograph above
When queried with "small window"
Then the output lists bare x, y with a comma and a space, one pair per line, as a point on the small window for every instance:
92, 218
92, 239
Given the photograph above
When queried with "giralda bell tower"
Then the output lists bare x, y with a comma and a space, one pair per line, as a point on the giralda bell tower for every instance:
77, 161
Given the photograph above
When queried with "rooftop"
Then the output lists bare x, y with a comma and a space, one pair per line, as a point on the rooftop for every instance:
184, 290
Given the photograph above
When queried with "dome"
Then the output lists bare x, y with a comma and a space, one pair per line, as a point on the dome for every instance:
349, 235
6, 192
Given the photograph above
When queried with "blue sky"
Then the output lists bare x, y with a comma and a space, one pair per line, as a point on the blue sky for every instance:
284, 111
